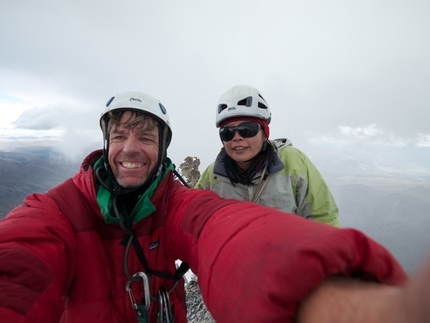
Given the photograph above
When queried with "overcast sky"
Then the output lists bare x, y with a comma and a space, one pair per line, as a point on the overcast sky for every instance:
333, 72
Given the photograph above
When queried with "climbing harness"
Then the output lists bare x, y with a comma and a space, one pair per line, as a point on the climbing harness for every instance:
141, 309
165, 313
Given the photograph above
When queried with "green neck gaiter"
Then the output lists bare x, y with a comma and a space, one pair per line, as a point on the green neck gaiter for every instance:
144, 206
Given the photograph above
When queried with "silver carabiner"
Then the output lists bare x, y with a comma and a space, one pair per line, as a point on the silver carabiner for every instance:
145, 282
165, 314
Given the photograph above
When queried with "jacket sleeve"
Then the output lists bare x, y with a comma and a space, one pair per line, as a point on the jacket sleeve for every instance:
206, 179
255, 264
313, 197
37, 257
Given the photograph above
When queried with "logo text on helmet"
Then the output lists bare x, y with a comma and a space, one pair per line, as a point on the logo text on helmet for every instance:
134, 99
232, 108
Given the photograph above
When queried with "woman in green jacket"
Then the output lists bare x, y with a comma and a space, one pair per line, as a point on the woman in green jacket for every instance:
250, 167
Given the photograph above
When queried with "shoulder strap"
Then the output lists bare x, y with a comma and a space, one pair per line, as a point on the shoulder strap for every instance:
261, 185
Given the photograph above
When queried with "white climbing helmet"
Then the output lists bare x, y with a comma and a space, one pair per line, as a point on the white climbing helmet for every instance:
242, 101
137, 101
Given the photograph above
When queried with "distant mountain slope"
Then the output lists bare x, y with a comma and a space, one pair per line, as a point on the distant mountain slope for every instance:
28, 171
398, 219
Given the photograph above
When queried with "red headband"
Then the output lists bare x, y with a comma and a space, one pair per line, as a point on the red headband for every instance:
263, 123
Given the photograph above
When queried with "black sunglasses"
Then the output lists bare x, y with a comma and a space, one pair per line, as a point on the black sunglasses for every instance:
245, 130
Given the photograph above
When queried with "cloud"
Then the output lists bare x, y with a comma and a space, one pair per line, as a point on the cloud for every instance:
373, 135
71, 130
361, 132
320, 65
423, 140
40, 119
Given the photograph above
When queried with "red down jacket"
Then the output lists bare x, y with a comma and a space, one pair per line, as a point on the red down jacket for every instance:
254, 263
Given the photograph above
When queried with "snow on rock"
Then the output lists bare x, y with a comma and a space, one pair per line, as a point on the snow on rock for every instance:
196, 308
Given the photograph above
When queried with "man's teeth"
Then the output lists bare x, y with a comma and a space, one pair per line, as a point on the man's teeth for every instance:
239, 148
131, 165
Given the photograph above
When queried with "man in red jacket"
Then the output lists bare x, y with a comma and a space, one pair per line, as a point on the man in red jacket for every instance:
102, 246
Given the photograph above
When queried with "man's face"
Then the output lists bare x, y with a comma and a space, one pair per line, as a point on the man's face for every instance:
133, 151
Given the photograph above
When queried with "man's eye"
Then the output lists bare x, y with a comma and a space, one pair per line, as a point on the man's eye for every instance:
117, 138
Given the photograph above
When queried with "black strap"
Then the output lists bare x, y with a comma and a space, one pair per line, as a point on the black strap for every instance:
127, 226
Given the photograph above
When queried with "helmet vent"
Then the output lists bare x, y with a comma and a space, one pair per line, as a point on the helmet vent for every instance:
262, 106
221, 107
247, 101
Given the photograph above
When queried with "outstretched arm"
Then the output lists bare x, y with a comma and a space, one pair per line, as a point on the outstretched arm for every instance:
257, 264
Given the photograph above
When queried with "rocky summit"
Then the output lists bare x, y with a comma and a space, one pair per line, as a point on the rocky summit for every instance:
196, 308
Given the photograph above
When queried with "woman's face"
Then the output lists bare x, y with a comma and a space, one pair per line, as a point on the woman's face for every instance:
243, 150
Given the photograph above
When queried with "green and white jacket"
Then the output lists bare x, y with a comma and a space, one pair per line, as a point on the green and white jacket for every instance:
294, 185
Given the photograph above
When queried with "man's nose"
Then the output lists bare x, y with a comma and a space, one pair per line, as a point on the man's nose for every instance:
131, 144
